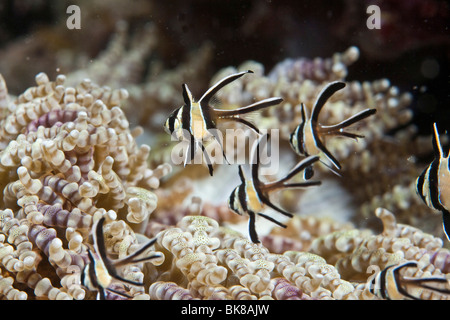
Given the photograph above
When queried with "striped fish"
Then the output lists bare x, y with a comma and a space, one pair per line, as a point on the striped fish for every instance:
251, 196
389, 284
307, 138
100, 272
433, 185
196, 122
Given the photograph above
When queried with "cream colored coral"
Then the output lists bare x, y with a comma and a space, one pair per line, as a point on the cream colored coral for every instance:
141, 203
56, 161
44, 289
417, 237
9, 292
71, 282
4, 99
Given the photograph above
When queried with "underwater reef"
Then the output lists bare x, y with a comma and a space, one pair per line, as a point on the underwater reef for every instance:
88, 146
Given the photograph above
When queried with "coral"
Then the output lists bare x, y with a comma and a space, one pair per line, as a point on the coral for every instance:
68, 157
207, 261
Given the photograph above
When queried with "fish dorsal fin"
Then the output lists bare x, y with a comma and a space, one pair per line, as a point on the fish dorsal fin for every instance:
99, 241
437, 146
255, 158
323, 97
187, 95
303, 112
241, 174
204, 100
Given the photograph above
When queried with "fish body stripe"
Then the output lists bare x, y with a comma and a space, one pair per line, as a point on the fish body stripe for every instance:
199, 123
196, 121
294, 140
98, 274
174, 123
307, 137
444, 183
311, 141
171, 123
251, 196
420, 185
382, 283
88, 276
84, 277
388, 281
305, 141
191, 118
433, 184
389, 284
186, 117
243, 203
232, 201
239, 202
92, 276
393, 283
103, 277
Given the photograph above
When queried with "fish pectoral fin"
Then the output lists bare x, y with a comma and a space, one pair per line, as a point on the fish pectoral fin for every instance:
133, 283
244, 122
250, 108
302, 165
425, 283
122, 294
352, 120
265, 216
329, 156
268, 203
302, 184
342, 133
133, 258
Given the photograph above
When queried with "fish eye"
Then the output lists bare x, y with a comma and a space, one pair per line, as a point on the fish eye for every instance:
308, 173
172, 123
372, 286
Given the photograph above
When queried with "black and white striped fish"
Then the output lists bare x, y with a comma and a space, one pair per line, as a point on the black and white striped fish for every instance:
196, 122
101, 271
251, 196
433, 185
390, 284
307, 138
